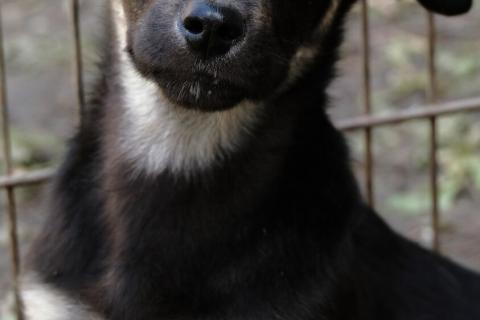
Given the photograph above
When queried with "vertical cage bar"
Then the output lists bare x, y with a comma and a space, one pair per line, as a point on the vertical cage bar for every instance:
78, 61
432, 96
11, 210
367, 94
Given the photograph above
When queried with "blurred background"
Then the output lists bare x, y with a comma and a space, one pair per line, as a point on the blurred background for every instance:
43, 114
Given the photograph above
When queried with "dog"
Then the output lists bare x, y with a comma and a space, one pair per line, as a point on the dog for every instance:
207, 181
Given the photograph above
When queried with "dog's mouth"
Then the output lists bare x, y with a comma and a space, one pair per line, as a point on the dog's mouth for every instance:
200, 90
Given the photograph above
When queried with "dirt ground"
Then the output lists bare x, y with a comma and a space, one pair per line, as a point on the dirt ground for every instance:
43, 113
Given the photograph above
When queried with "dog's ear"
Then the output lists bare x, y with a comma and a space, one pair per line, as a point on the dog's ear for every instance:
447, 7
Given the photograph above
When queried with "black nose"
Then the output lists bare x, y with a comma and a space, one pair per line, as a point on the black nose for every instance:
211, 30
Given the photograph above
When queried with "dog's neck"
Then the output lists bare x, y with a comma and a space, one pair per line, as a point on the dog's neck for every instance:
156, 135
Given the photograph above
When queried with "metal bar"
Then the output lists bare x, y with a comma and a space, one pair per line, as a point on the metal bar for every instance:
432, 98
78, 64
359, 123
422, 112
354, 124
367, 95
27, 179
10, 193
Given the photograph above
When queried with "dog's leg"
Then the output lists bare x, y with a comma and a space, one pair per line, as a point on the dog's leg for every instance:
42, 302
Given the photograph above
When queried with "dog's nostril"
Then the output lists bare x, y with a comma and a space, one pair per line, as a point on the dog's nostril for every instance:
193, 25
211, 30
230, 32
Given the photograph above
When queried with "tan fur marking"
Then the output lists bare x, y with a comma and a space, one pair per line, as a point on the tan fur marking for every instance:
329, 16
307, 53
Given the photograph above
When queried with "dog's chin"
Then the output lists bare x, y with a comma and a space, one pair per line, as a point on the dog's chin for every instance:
210, 101
202, 94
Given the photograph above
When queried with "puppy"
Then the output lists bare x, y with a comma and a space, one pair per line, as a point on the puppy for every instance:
208, 182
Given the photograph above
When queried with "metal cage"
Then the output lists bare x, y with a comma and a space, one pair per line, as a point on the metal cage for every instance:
366, 123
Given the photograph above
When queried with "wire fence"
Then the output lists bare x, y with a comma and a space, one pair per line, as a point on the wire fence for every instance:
368, 122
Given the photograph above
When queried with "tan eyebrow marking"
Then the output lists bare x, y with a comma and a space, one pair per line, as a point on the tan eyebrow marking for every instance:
329, 16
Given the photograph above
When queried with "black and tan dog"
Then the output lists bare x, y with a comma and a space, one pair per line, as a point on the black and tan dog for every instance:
208, 182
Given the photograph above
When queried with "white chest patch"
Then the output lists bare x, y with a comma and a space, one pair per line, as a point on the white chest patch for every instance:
157, 135
41, 302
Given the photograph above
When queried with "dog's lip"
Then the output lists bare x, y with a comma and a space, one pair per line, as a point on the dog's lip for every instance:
213, 79
207, 77
200, 89
207, 80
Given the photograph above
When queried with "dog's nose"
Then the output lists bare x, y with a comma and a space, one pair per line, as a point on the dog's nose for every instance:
211, 30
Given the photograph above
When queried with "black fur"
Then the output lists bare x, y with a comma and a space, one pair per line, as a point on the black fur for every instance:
277, 230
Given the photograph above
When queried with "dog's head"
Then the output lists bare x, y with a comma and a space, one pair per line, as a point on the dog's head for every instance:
212, 54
